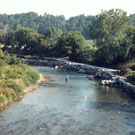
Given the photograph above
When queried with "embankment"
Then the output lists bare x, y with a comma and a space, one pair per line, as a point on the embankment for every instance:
42, 79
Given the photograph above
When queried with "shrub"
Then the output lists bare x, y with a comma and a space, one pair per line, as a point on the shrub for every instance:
2, 62
1, 72
17, 88
2, 98
3, 84
12, 75
26, 81
34, 75
10, 94
14, 60
1, 53
23, 66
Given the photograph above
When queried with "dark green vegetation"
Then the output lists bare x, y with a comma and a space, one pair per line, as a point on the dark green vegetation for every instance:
54, 43
112, 36
14, 77
41, 23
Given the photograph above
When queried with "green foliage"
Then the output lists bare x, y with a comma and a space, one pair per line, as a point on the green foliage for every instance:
79, 23
41, 23
52, 34
2, 98
33, 75
16, 87
27, 39
109, 29
14, 77
90, 43
86, 55
10, 94
14, 60
131, 42
71, 44
2, 62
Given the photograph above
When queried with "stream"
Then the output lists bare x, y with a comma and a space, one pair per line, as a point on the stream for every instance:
78, 107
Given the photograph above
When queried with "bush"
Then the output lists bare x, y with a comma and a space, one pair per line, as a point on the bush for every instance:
1, 72
3, 84
14, 77
17, 88
14, 60
2, 62
2, 98
34, 75
26, 81
10, 94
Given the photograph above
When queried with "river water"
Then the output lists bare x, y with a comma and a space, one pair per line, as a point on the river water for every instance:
79, 107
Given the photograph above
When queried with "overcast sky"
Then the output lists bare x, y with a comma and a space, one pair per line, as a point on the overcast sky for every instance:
67, 8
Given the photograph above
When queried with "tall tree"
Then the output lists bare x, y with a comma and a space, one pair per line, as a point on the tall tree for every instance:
71, 44
109, 29
4, 34
27, 39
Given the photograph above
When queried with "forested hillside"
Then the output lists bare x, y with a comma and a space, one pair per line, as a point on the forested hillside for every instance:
41, 23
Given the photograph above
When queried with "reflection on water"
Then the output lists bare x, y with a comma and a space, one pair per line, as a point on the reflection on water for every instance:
74, 108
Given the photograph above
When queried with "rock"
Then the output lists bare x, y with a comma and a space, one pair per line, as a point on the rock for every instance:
98, 75
90, 77
106, 75
108, 82
107, 78
82, 71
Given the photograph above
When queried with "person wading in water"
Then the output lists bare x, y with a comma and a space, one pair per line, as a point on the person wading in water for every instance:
66, 79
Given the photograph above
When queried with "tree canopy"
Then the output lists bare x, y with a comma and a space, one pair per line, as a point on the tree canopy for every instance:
71, 44
109, 30
41, 22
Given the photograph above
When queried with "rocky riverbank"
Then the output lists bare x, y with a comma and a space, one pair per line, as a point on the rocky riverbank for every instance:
107, 78
42, 79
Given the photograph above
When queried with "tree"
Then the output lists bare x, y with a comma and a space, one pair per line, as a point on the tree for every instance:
71, 44
42, 22
108, 29
4, 34
131, 43
27, 39
52, 34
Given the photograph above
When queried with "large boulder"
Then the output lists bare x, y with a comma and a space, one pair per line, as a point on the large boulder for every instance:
104, 75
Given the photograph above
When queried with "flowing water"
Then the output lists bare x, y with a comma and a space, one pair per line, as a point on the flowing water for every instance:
78, 107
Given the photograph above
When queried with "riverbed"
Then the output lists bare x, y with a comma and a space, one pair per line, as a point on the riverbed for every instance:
78, 107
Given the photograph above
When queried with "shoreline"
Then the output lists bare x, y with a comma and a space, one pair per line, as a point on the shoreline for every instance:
43, 78
107, 77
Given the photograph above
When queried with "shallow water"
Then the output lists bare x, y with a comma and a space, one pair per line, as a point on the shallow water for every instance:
78, 107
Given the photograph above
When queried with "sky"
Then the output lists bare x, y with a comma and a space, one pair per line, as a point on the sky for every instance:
67, 8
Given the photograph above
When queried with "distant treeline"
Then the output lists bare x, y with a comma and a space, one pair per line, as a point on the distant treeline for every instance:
113, 33
41, 23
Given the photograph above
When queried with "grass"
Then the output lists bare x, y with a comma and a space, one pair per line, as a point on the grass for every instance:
14, 77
